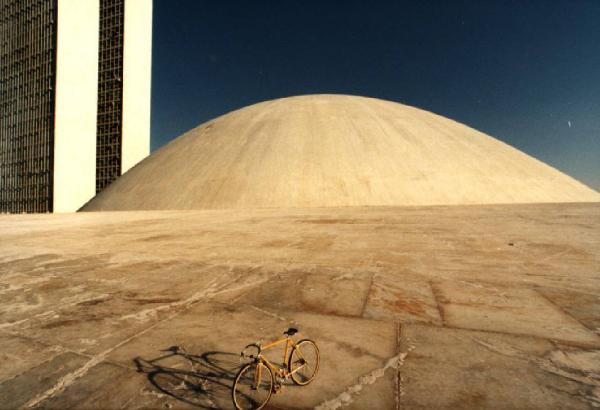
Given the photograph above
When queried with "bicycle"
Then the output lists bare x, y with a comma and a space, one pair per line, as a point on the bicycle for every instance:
255, 382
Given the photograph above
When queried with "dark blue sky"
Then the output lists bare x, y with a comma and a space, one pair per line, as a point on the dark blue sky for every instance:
525, 72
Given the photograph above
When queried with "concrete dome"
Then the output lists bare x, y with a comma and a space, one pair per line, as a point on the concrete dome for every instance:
335, 150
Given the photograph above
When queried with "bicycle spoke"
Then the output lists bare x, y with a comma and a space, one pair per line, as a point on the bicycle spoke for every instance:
304, 362
253, 386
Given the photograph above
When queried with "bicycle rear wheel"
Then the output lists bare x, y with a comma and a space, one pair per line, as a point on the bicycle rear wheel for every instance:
303, 364
252, 387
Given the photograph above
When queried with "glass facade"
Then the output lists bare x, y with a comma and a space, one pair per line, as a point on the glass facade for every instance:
28, 67
27, 78
110, 93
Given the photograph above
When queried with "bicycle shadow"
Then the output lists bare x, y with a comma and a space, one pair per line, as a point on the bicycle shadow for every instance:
203, 380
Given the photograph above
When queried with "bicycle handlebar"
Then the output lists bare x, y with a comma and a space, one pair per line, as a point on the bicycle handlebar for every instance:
250, 356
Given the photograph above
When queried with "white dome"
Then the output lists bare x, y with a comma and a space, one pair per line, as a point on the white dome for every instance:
335, 150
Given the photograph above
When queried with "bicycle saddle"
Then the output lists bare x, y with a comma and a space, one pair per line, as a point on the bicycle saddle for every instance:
291, 331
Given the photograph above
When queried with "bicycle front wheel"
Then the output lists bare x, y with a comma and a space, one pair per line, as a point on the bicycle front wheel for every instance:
252, 387
304, 362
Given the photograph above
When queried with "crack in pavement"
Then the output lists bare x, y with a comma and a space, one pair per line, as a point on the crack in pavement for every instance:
346, 397
558, 364
212, 290
67, 380
70, 378
42, 315
547, 365
271, 314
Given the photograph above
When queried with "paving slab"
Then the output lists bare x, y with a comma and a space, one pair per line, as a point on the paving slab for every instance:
508, 310
583, 306
120, 286
407, 300
349, 348
464, 369
19, 354
22, 389
96, 316
341, 294
108, 386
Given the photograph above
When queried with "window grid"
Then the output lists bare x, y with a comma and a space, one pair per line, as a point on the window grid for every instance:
110, 93
27, 77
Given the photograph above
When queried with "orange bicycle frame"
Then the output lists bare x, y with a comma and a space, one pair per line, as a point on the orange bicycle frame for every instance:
264, 361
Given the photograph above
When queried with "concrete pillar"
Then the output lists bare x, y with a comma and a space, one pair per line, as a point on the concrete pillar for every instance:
76, 103
137, 63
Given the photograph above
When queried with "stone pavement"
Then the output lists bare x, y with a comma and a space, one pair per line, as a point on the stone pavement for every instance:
415, 307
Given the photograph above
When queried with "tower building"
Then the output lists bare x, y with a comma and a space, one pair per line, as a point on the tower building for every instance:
74, 99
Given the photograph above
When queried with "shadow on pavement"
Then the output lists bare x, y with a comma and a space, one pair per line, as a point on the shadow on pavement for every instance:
200, 380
